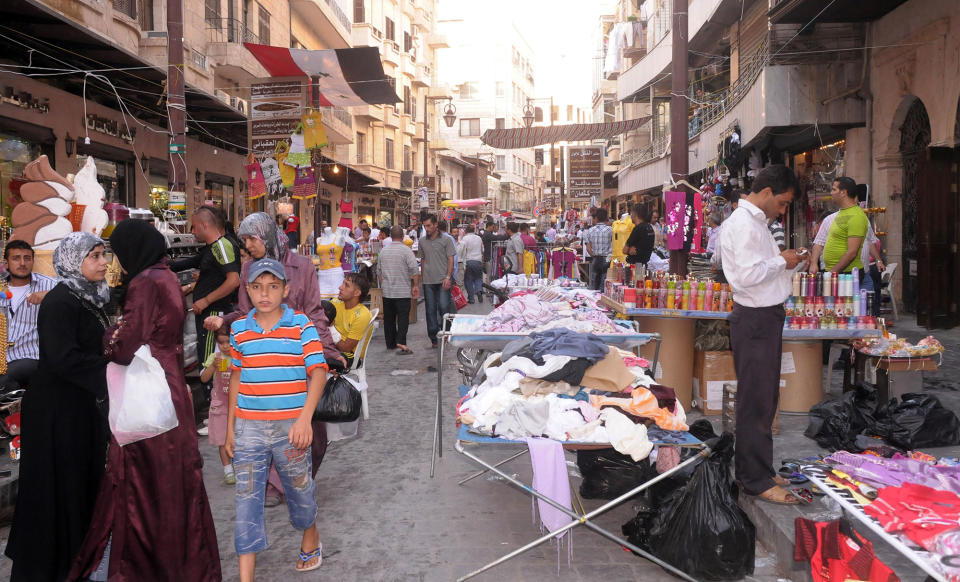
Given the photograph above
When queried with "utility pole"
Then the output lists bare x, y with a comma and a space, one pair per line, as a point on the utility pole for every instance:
679, 140
426, 140
176, 103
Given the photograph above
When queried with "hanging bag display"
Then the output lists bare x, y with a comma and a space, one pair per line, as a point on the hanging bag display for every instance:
256, 185
304, 186
314, 134
288, 173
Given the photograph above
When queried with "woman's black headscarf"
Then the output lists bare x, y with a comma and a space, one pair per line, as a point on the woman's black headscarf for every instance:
138, 245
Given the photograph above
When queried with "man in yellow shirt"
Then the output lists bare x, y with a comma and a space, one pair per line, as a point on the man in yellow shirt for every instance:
352, 316
841, 254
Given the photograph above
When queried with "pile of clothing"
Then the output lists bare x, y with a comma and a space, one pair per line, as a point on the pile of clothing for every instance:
549, 308
569, 386
911, 495
511, 280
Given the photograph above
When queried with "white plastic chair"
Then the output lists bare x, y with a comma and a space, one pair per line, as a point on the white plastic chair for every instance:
358, 369
889, 278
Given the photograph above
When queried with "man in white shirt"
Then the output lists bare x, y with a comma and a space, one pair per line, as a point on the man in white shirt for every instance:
471, 251
760, 276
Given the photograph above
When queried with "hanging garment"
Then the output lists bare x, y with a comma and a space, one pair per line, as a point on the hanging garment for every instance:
621, 232
836, 556
329, 270
272, 177
529, 263
550, 480
346, 216
697, 243
304, 185
288, 173
563, 260
677, 219
348, 259
298, 156
256, 185
314, 134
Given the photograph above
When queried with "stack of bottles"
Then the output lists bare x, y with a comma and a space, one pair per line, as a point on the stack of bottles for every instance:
829, 301
663, 291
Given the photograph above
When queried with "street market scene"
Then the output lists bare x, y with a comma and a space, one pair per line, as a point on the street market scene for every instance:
434, 290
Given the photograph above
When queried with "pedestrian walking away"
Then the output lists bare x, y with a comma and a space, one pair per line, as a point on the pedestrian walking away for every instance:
599, 243
471, 249
400, 285
760, 276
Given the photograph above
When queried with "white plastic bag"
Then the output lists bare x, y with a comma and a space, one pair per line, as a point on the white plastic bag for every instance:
140, 402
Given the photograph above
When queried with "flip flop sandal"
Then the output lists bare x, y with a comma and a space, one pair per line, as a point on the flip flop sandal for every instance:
794, 476
803, 494
404, 351
769, 494
307, 556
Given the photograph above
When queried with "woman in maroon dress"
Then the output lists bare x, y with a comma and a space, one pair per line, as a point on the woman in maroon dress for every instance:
152, 507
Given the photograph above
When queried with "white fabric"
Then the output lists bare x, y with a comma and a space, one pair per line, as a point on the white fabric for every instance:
625, 436
824, 231
330, 281
471, 248
19, 294
751, 259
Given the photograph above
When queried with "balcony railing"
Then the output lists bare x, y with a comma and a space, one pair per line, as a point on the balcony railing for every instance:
338, 113
340, 14
229, 30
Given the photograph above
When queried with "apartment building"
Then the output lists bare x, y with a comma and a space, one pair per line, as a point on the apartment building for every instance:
488, 72
852, 89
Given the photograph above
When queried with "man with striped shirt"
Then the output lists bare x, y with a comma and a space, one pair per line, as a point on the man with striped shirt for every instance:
275, 350
27, 291
598, 241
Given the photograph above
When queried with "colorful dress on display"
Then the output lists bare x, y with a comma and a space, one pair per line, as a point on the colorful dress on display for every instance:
329, 270
346, 214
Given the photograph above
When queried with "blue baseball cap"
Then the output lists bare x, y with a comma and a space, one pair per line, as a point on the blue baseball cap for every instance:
262, 266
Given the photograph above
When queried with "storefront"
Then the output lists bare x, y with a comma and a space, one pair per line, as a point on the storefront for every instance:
387, 214
19, 144
816, 169
366, 209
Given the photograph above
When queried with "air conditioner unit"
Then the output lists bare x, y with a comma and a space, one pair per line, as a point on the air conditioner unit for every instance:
223, 96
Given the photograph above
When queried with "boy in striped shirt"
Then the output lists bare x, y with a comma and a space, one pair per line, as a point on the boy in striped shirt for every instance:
278, 376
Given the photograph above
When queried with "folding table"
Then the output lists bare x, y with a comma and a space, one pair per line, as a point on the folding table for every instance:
461, 333
683, 439
919, 556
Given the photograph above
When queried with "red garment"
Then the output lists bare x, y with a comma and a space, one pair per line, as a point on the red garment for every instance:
292, 224
919, 512
836, 557
152, 499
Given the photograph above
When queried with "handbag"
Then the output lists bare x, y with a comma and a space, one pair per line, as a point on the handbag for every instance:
459, 299
140, 403
340, 401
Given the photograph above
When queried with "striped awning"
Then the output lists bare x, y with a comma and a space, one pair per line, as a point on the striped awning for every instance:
522, 137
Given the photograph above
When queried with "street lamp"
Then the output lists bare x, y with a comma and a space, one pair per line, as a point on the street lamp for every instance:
68, 144
528, 114
449, 118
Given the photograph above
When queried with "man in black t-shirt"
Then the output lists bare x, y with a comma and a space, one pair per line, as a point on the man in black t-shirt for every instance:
215, 290
489, 237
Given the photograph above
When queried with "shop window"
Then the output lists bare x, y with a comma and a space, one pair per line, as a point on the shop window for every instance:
15, 153
367, 213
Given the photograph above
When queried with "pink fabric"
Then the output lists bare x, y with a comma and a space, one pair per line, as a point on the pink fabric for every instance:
697, 246
635, 361
550, 480
217, 421
674, 216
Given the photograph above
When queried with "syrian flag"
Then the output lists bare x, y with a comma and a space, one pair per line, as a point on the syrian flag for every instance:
347, 77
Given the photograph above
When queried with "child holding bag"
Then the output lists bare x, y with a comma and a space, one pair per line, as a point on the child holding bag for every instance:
217, 368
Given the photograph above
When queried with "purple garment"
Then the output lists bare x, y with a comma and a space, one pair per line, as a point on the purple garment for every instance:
550, 480
347, 257
896, 471
563, 262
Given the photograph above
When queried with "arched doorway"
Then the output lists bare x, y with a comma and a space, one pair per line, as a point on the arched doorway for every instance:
914, 139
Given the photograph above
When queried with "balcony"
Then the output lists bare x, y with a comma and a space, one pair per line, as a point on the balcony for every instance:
409, 126
368, 113
390, 53
764, 97
338, 124
225, 38
436, 40
637, 50
422, 77
423, 19
365, 34
409, 65
327, 20
390, 118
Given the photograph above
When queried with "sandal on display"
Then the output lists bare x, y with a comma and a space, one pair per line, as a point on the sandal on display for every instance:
791, 475
779, 495
307, 556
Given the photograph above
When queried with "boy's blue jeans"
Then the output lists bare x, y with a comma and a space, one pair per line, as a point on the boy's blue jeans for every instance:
256, 443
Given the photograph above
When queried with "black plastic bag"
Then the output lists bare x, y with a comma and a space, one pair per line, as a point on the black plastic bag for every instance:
340, 401
835, 424
920, 420
608, 474
700, 529
637, 529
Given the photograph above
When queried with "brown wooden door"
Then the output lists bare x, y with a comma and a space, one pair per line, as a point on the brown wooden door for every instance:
938, 222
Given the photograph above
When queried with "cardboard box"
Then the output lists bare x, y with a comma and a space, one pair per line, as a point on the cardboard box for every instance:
711, 370
801, 376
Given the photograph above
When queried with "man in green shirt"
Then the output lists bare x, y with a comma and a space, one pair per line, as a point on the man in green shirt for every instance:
841, 254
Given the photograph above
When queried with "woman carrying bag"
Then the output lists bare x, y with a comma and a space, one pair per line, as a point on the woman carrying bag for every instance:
65, 432
152, 507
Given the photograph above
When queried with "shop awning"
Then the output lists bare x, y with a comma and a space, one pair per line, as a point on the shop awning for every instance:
523, 137
345, 177
345, 77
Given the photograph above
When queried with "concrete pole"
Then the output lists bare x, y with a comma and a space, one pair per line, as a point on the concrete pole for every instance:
176, 103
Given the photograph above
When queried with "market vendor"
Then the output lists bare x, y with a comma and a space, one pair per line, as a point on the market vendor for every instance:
760, 275
353, 317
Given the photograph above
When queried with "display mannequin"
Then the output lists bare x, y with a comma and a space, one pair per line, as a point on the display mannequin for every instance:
329, 270
621, 232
